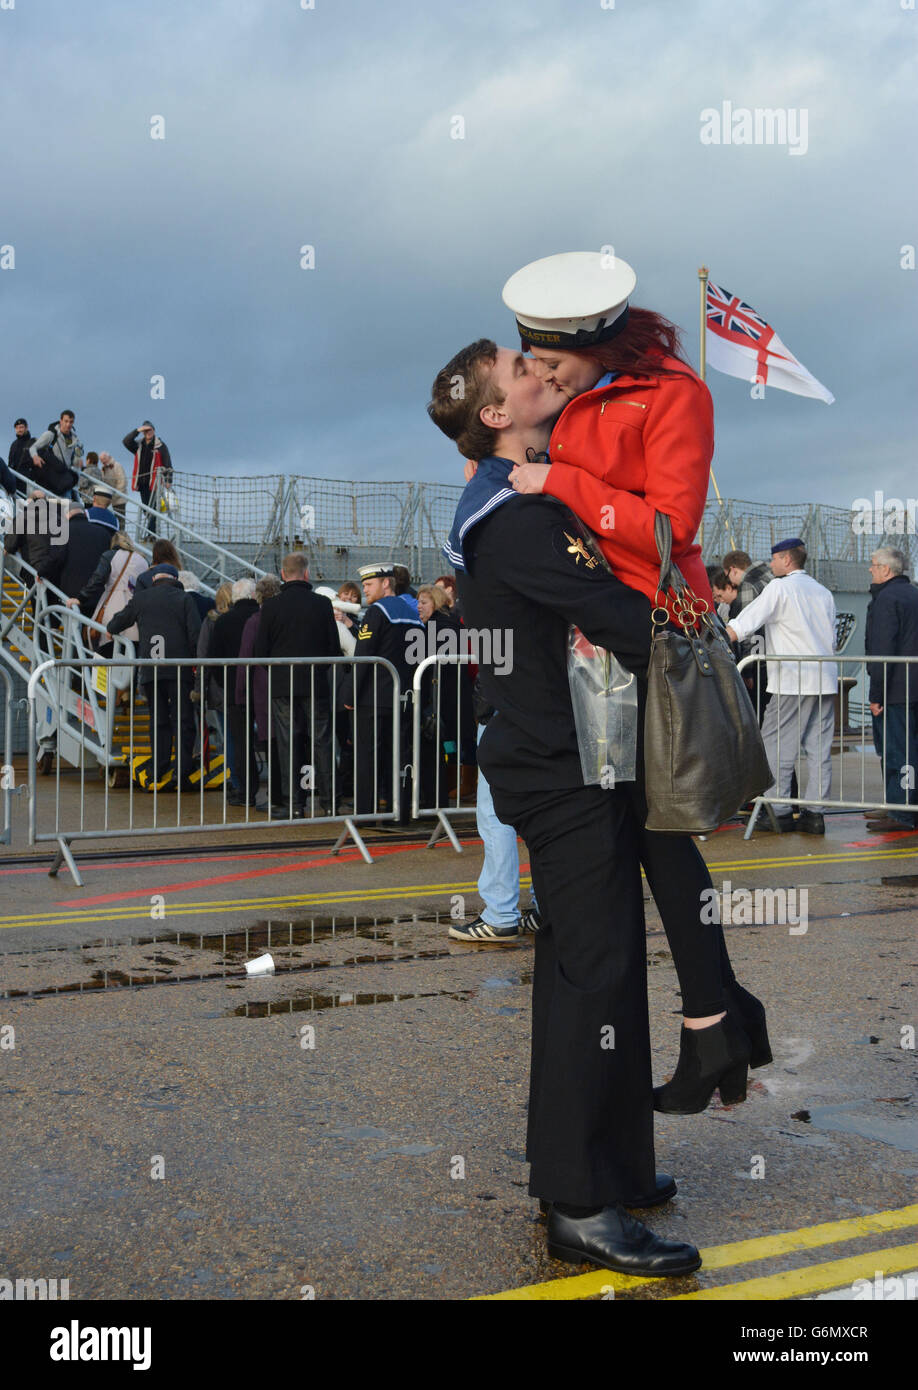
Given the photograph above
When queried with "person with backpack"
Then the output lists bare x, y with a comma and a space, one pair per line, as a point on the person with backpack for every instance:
57, 455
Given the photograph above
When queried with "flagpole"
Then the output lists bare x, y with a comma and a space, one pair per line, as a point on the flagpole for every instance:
703, 291
702, 365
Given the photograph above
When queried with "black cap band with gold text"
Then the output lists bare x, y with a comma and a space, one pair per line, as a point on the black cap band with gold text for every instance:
571, 341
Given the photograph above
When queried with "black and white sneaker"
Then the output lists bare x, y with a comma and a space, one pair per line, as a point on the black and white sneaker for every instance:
530, 920
481, 931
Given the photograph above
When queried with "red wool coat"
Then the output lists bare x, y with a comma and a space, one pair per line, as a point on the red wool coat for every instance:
622, 452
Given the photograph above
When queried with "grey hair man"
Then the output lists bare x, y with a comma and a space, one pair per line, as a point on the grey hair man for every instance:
892, 630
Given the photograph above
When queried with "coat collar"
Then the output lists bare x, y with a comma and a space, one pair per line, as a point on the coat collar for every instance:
893, 578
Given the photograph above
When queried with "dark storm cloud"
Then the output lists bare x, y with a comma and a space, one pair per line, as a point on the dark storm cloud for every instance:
332, 127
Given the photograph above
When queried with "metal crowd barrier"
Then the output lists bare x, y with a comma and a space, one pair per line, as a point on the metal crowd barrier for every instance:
169, 794
436, 735
6, 758
854, 784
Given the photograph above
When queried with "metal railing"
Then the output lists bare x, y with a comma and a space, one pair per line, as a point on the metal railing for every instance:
41, 628
6, 764
429, 750
793, 732
206, 558
300, 734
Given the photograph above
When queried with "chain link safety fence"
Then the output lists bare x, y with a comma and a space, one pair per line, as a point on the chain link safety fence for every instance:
343, 525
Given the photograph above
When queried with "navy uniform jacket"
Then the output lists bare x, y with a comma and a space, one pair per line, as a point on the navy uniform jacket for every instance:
385, 631
529, 573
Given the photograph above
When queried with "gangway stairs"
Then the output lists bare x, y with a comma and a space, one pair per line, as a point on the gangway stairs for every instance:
96, 710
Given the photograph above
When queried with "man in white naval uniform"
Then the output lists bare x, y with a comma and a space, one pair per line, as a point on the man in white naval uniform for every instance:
797, 614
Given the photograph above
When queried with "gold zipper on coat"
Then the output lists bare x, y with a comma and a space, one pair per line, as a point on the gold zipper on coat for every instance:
611, 400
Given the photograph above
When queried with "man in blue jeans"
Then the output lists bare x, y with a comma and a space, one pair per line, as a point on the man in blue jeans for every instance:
499, 883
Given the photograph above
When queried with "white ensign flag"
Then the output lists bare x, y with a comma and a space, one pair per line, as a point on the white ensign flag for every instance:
741, 343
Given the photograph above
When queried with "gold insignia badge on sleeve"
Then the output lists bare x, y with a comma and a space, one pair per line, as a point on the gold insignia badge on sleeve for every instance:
364, 633
580, 552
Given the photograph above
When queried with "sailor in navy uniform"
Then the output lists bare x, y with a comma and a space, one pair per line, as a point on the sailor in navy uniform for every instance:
385, 631
529, 568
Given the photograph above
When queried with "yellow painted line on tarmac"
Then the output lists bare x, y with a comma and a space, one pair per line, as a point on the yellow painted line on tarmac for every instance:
795, 1283
798, 860
140, 911
737, 1253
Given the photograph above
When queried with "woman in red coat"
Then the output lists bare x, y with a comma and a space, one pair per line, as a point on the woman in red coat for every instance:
636, 438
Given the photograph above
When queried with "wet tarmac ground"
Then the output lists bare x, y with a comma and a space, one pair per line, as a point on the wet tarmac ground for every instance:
352, 1127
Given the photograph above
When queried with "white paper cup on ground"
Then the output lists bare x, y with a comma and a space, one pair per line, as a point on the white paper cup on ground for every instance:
261, 965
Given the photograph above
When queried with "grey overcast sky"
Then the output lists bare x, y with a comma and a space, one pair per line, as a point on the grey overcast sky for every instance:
331, 127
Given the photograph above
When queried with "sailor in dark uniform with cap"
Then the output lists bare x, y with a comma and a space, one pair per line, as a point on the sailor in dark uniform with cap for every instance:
529, 569
389, 620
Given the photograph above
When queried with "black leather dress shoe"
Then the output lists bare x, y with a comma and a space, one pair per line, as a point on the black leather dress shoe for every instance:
811, 823
664, 1191
615, 1240
785, 824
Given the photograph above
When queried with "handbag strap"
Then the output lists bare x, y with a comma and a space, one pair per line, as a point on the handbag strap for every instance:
663, 535
688, 608
671, 577
108, 596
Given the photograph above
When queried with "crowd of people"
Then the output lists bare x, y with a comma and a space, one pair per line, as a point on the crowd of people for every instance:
298, 739
796, 700
54, 464
98, 568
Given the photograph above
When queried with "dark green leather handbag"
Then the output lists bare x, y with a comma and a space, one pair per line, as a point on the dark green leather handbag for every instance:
703, 751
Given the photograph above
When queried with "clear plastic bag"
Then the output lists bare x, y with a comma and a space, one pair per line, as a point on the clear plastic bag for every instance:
605, 701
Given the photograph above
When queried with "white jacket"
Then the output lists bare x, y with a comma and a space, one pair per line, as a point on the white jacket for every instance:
120, 588
797, 614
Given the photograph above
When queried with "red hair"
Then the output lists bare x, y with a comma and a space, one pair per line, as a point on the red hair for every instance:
640, 346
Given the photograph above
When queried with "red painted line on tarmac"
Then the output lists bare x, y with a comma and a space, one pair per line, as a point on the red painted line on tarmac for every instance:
140, 863
191, 859
350, 856
881, 837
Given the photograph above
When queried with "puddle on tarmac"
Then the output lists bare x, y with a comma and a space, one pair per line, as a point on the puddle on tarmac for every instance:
307, 1003
266, 934
109, 980
898, 1132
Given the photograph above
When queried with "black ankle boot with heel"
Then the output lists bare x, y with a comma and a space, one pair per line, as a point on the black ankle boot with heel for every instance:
710, 1059
751, 1014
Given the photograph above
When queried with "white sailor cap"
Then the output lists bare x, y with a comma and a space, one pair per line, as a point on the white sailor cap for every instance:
382, 569
571, 300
